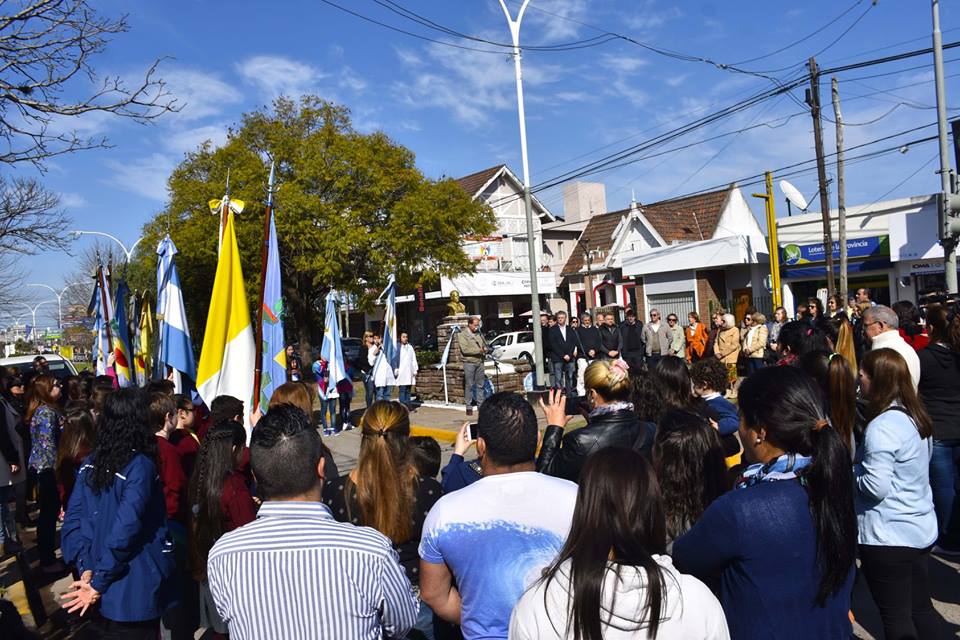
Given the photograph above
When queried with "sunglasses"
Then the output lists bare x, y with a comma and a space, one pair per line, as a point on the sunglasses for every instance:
671, 319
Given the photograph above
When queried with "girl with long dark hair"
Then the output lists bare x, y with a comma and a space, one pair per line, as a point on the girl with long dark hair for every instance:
612, 578
221, 502
45, 422
75, 445
784, 541
939, 385
689, 463
897, 522
838, 384
114, 531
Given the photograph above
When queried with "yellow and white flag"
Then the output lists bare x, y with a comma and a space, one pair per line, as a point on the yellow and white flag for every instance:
228, 357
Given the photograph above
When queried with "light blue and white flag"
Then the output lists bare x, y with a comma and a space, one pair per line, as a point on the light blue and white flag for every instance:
174, 348
330, 349
446, 350
103, 346
273, 353
390, 353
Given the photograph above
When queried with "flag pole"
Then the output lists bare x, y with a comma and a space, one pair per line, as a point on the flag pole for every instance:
258, 369
104, 305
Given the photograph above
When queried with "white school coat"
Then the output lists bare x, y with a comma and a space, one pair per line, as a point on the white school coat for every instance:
382, 371
407, 372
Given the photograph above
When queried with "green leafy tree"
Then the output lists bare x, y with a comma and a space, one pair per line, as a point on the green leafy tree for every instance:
351, 208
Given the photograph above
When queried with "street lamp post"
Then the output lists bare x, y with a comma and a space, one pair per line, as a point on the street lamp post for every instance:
126, 252
59, 298
531, 239
33, 314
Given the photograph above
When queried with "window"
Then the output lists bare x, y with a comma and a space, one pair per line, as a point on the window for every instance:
560, 250
525, 336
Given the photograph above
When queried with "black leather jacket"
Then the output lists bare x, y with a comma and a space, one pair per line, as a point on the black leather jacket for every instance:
563, 455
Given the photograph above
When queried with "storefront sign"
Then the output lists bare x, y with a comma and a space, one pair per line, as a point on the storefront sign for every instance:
505, 309
926, 266
420, 300
861, 248
498, 283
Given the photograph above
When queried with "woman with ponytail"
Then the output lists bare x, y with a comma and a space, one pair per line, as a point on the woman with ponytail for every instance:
940, 393
838, 383
221, 502
384, 490
612, 422
895, 513
783, 542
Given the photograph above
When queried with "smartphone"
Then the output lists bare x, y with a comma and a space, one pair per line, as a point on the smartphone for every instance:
473, 430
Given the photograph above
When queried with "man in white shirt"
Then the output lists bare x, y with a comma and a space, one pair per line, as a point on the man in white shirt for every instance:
494, 537
880, 325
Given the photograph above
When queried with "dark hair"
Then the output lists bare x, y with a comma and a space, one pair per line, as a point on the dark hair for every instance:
508, 426
162, 386
216, 459
284, 453
122, 433
943, 328
76, 440
77, 390
425, 455
816, 304
98, 396
618, 519
39, 394
673, 380
645, 396
838, 387
908, 316
890, 382
799, 337
710, 373
161, 405
689, 461
183, 402
225, 408
786, 403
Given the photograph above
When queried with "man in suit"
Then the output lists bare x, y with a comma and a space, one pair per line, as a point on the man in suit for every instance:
609, 336
563, 355
588, 350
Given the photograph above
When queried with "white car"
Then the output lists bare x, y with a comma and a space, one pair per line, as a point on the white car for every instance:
57, 365
516, 345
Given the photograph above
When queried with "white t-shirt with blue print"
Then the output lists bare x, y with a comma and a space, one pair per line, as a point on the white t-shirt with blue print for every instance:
496, 536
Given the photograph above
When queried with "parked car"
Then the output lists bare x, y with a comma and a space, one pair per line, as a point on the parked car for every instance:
516, 345
57, 365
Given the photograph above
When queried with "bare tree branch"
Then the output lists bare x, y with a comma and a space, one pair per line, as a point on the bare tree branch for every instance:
31, 219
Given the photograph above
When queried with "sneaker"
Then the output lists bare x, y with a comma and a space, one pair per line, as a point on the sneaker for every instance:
945, 552
348, 426
327, 431
469, 410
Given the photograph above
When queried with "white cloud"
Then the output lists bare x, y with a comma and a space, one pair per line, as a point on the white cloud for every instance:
625, 64
279, 75
72, 200
648, 16
184, 140
146, 176
200, 94
557, 19
350, 80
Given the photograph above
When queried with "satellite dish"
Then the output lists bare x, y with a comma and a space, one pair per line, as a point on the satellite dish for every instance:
793, 195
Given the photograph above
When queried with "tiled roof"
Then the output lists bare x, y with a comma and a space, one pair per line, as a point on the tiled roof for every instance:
475, 181
684, 219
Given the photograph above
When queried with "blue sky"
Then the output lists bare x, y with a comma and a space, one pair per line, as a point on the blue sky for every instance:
456, 109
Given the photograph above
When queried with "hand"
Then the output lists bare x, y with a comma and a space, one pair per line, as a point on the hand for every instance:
463, 442
592, 353
566, 358
396, 372
86, 576
80, 599
14, 468
255, 417
713, 423
556, 408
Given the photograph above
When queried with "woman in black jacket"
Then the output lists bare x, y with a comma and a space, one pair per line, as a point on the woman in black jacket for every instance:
612, 422
939, 381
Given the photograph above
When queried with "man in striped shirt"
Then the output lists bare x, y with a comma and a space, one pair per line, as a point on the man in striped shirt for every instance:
295, 572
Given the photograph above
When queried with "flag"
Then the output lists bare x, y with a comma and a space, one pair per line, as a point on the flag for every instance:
174, 348
389, 353
142, 342
273, 354
228, 357
120, 330
330, 349
446, 350
103, 342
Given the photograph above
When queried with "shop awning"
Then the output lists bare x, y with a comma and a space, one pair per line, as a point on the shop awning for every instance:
704, 254
498, 283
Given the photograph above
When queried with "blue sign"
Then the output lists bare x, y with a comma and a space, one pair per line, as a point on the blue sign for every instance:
875, 247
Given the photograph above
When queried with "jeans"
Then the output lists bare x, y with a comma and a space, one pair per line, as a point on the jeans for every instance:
754, 365
328, 408
652, 361
563, 375
345, 399
945, 483
368, 390
8, 527
899, 583
423, 627
405, 394
473, 379
49, 501
383, 393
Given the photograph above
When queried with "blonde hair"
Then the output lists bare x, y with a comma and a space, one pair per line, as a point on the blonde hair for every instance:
729, 321
384, 475
610, 381
844, 345
758, 318
295, 393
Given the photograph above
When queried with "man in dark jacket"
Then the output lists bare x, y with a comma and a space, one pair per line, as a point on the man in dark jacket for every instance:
563, 355
589, 348
609, 336
631, 341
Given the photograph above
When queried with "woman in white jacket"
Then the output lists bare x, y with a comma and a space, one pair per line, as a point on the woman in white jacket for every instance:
612, 579
407, 369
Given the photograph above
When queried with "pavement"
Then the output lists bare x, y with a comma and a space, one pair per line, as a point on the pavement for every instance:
32, 592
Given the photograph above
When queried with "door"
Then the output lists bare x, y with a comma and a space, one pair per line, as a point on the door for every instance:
742, 298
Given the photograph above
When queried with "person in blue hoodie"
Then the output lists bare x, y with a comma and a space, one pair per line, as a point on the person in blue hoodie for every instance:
114, 531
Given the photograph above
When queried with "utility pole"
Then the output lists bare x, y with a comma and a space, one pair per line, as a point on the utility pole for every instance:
813, 99
773, 246
539, 376
949, 202
841, 191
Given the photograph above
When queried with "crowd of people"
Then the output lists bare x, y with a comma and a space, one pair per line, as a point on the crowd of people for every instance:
672, 513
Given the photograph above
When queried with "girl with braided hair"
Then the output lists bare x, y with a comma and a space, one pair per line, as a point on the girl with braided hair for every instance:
221, 502
612, 422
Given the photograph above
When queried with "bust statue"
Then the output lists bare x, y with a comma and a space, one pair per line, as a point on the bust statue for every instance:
455, 307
